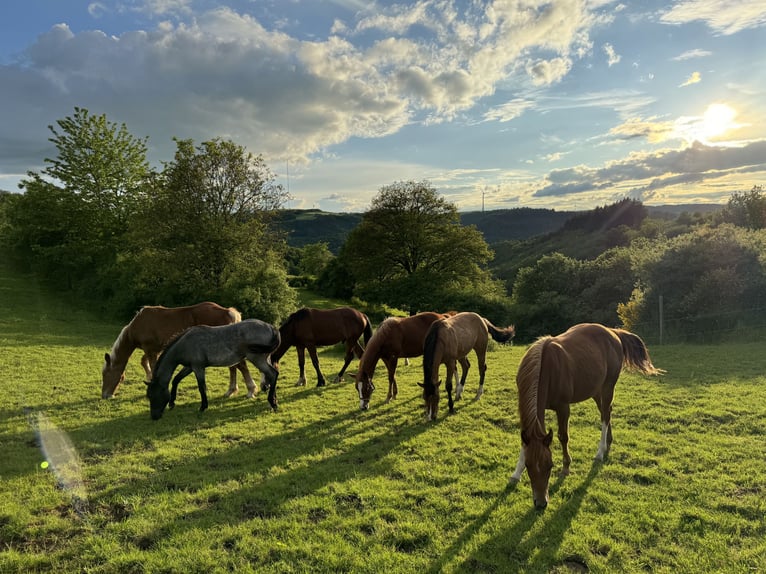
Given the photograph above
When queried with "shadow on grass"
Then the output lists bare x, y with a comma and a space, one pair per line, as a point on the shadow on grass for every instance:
511, 548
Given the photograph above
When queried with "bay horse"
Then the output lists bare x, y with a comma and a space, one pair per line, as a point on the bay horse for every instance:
150, 330
395, 338
309, 328
448, 340
582, 363
202, 346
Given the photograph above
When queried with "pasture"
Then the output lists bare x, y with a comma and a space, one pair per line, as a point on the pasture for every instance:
319, 486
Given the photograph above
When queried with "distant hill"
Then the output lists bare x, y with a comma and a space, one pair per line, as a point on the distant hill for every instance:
304, 226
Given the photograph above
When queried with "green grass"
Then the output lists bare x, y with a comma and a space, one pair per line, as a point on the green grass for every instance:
320, 487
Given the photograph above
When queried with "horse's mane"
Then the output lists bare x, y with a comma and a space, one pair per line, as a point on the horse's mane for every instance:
372, 347
171, 343
235, 314
429, 349
528, 383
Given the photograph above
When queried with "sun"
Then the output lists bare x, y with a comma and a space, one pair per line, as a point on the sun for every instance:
717, 120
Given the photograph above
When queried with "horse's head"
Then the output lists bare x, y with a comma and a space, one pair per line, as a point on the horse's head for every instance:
159, 397
365, 388
111, 377
539, 462
431, 399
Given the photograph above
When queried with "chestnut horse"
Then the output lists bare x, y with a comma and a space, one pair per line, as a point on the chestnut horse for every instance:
202, 346
310, 328
582, 363
151, 329
395, 337
449, 340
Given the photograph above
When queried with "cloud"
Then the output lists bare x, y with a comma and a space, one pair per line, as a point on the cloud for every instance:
650, 129
725, 18
689, 54
612, 56
695, 78
546, 72
509, 110
653, 170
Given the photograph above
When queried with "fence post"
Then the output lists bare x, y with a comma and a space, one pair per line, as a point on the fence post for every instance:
661, 320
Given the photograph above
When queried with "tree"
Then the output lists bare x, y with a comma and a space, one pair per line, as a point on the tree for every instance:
411, 252
206, 233
70, 221
747, 209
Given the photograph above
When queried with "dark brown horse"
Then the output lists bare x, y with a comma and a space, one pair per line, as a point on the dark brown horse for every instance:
309, 328
449, 340
582, 363
395, 338
152, 328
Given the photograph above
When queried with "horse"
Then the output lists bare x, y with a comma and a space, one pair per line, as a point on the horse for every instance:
151, 329
582, 363
448, 340
310, 328
202, 346
395, 337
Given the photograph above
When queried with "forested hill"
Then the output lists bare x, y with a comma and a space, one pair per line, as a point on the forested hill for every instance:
305, 226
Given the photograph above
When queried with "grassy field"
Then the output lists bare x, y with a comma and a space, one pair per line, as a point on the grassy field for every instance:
320, 487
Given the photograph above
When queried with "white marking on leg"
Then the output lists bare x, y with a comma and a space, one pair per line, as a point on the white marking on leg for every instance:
520, 466
602, 447
479, 392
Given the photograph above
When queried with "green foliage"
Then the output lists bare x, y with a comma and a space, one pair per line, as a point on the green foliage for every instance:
411, 252
711, 280
747, 209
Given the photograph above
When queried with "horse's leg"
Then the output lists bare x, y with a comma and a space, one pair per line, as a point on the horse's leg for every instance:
315, 361
393, 390
233, 388
351, 350
451, 367
252, 389
464, 366
147, 362
174, 386
604, 403
301, 382
520, 466
562, 415
270, 374
481, 358
199, 372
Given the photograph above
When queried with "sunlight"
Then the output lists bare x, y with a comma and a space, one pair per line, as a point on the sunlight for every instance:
717, 120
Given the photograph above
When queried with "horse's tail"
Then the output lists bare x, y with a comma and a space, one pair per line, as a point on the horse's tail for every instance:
235, 315
367, 329
635, 355
500, 335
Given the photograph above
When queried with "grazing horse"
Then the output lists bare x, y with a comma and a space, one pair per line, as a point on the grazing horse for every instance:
309, 328
447, 341
202, 346
580, 364
151, 329
395, 337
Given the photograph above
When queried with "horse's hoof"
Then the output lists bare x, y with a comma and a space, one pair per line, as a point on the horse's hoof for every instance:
564, 472
321, 384
251, 394
171, 405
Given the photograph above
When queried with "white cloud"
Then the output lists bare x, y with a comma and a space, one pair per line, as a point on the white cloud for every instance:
695, 78
689, 54
725, 18
612, 56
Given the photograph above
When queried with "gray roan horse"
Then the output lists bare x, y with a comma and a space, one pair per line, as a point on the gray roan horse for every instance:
223, 346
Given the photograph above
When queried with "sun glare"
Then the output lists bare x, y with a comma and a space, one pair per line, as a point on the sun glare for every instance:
718, 119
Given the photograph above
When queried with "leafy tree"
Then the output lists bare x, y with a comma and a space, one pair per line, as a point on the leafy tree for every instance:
747, 209
314, 258
411, 252
207, 236
70, 222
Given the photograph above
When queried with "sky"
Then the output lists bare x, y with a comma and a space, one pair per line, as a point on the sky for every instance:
563, 104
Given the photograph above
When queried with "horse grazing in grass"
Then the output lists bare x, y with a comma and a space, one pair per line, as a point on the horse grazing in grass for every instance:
449, 340
395, 337
223, 346
151, 329
582, 363
310, 328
